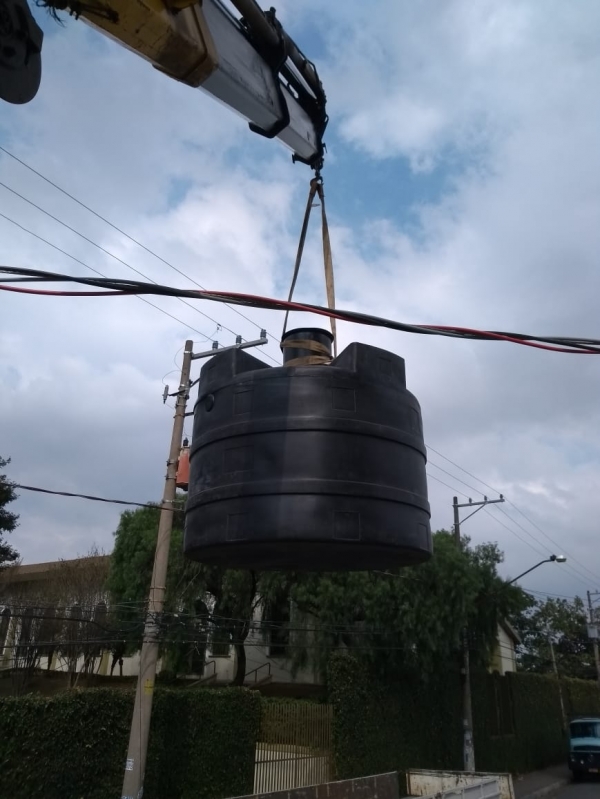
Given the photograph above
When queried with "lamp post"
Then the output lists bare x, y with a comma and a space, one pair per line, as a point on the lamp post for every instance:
551, 559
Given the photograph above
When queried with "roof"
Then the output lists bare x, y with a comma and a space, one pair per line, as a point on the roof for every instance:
34, 572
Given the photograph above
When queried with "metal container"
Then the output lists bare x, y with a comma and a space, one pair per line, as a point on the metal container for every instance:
317, 467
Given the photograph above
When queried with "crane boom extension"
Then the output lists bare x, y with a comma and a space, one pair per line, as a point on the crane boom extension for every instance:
247, 62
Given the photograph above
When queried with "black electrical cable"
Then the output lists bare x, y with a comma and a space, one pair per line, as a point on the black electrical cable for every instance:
90, 497
573, 345
122, 232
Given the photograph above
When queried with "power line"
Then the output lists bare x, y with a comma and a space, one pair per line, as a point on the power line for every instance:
537, 527
566, 345
539, 552
91, 268
204, 635
547, 593
105, 251
455, 490
506, 527
573, 571
567, 566
462, 470
454, 477
127, 235
90, 497
510, 502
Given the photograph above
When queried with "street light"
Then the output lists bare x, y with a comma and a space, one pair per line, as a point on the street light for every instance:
551, 559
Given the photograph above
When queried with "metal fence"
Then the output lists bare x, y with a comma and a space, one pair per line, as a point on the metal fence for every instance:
294, 748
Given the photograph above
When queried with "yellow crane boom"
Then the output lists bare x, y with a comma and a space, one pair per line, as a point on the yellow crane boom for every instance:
237, 53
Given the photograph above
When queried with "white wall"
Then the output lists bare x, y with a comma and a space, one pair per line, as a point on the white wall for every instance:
257, 657
279, 669
505, 659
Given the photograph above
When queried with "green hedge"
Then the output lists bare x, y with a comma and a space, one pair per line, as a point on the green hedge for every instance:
73, 746
522, 733
417, 724
582, 697
538, 736
392, 727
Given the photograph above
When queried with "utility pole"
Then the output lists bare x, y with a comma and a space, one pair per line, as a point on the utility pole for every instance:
135, 765
468, 745
593, 631
556, 674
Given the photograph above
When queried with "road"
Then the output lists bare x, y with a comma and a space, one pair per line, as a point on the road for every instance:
582, 790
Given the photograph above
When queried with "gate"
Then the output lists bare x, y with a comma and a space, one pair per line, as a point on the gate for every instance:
294, 746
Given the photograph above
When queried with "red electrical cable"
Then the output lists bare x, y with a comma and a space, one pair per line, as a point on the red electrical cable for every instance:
267, 302
295, 306
502, 337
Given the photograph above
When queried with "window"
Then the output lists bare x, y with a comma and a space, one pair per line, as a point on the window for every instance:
585, 729
220, 645
4, 624
276, 619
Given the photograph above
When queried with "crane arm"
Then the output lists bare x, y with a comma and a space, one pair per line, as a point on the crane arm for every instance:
240, 56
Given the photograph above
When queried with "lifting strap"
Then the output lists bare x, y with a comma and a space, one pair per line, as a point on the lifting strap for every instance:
322, 354
316, 189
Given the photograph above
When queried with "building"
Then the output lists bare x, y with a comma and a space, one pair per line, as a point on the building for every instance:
52, 616
504, 659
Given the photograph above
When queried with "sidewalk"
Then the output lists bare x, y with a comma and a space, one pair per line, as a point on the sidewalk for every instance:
541, 783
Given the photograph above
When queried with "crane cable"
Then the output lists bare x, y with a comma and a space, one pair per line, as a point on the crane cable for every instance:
322, 356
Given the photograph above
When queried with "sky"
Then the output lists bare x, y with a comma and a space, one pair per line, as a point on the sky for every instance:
463, 187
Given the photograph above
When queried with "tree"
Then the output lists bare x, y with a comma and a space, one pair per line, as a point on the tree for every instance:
85, 628
8, 520
63, 616
202, 603
129, 583
564, 622
412, 618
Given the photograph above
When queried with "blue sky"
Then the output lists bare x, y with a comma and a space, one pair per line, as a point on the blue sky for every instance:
462, 184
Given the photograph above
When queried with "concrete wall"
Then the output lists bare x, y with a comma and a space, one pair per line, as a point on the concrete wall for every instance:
426, 783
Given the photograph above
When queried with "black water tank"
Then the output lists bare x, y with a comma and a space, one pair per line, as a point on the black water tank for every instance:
318, 467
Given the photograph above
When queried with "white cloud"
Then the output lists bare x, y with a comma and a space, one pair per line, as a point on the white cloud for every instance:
514, 245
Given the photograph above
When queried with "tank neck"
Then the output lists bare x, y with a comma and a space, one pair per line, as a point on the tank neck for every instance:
306, 346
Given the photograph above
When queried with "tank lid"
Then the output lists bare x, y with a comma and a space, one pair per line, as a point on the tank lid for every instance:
306, 346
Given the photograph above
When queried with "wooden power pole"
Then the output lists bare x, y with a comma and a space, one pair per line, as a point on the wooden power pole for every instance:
135, 765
